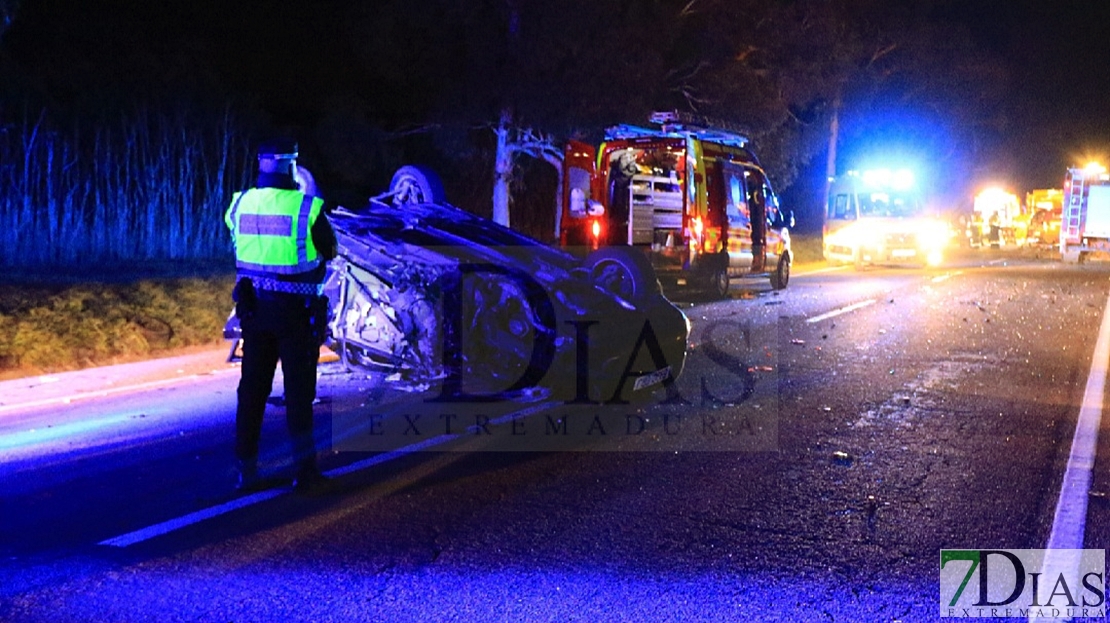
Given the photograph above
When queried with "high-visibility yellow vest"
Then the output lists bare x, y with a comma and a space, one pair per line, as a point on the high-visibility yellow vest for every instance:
272, 231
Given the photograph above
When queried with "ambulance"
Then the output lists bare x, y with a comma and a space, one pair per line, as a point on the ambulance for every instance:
878, 217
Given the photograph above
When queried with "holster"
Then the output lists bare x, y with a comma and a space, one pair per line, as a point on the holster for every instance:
246, 299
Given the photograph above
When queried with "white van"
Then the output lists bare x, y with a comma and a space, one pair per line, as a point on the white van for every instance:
878, 217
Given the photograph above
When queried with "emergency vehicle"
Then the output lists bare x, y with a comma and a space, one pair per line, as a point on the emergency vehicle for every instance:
687, 197
998, 218
878, 217
1046, 208
1086, 225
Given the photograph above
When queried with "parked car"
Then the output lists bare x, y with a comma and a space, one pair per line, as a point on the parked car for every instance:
430, 293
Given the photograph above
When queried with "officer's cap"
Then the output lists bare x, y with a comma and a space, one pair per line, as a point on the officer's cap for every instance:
278, 149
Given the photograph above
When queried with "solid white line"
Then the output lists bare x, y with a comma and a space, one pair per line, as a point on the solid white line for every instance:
1069, 522
184, 521
177, 523
842, 310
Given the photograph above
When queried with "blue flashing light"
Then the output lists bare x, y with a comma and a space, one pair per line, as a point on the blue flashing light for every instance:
900, 179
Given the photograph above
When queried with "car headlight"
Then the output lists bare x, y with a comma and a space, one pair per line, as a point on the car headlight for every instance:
934, 235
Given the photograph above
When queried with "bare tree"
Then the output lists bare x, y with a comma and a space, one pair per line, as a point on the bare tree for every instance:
512, 142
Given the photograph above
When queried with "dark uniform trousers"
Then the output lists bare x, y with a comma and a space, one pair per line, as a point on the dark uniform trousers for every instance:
279, 328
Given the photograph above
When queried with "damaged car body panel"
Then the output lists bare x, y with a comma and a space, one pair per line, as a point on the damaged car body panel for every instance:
432, 295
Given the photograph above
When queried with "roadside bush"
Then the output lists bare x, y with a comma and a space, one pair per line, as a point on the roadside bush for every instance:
62, 328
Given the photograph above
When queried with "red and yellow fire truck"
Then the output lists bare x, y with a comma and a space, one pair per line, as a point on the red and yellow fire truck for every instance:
686, 200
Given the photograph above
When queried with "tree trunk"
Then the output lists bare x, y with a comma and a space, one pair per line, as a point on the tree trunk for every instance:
502, 171
834, 135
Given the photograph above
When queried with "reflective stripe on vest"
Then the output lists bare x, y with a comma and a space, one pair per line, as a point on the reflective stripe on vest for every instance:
272, 230
265, 284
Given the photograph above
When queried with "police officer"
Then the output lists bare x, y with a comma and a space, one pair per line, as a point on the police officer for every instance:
282, 243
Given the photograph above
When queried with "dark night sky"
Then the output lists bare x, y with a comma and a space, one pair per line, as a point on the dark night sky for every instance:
290, 57
1059, 59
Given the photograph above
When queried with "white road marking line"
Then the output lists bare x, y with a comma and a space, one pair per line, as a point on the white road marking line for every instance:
165, 527
946, 276
817, 271
842, 310
150, 532
1070, 521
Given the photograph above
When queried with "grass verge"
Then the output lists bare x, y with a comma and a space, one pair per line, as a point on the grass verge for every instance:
807, 248
52, 327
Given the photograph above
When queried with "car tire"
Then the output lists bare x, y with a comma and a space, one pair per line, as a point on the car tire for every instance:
414, 184
781, 277
623, 271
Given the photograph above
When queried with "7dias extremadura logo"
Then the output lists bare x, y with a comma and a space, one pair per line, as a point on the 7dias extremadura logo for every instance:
1028, 583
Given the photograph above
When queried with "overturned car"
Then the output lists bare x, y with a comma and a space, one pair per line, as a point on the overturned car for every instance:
432, 296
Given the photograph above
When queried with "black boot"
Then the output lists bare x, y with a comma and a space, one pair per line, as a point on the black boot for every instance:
248, 476
310, 481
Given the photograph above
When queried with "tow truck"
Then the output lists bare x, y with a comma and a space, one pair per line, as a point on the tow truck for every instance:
1086, 226
877, 216
685, 200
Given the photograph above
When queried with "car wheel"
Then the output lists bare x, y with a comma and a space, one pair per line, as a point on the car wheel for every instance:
413, 184
781, 277
623, 271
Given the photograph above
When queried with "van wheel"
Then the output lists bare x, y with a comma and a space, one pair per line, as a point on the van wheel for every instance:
781, 277
623, 271
413, 184
718, 283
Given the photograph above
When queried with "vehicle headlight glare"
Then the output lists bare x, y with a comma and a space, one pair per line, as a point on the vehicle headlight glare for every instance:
934, 236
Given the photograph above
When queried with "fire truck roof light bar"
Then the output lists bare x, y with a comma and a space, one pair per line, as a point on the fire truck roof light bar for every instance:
676, 124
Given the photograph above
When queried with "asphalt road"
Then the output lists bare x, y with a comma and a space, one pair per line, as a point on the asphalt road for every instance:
821, 448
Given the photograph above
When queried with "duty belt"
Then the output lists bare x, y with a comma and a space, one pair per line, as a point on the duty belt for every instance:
289, 287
